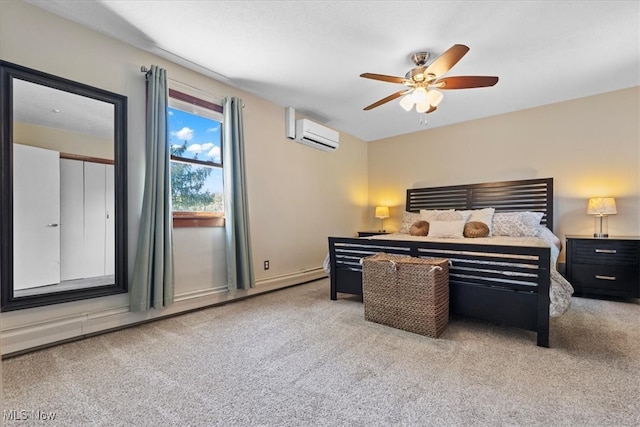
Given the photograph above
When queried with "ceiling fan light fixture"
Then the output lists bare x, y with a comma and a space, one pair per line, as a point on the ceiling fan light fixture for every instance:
417, 75
434, 97
422, 107
407, 102
419, 95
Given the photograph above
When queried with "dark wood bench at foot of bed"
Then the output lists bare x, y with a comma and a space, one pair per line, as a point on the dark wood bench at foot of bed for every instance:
508, 285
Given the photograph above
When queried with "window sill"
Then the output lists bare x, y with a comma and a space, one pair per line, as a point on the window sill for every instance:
197, 219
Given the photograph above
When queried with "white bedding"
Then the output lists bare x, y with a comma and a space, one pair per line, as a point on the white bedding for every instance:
560, 290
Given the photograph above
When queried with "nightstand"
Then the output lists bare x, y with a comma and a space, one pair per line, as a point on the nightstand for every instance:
604, 266
371, 233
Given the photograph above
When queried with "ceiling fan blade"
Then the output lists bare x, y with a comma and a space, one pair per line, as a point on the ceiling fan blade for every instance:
384, 78
387, 99
448, 59
431, 109
465, 82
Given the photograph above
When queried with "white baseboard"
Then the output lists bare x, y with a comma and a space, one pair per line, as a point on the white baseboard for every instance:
30, 336
276, 282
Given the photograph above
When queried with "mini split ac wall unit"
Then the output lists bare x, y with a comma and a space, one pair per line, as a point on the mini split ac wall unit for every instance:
310, 133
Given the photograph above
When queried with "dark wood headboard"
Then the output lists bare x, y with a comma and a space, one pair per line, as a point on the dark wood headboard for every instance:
507, 196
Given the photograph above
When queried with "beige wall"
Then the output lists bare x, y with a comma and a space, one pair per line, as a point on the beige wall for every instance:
297, 195
62, 141
590, 146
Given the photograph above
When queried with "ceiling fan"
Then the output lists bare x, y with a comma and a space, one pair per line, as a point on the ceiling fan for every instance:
423, 80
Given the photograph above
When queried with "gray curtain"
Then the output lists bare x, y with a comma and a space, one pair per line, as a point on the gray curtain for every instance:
153, 281
239, 266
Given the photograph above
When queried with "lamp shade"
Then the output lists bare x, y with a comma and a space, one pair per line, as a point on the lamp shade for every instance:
422, 107
602, 206
419, 95
434, 97
382, 212
407, 102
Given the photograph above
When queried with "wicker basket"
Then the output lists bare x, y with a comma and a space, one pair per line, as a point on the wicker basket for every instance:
407, 293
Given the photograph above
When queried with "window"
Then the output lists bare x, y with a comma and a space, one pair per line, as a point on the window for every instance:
195, 143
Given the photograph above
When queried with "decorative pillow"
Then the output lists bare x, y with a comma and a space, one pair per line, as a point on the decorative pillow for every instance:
532, 218
419, 228
453, 215
408, 218
430, 215
447, 229
516, 224
482, 215
475, 229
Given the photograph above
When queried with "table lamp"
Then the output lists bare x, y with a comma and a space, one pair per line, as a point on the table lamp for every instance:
601, 207
382, 212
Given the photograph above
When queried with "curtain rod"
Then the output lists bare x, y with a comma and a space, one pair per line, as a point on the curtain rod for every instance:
146, 71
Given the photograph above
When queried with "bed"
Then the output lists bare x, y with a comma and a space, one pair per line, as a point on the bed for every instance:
510, 280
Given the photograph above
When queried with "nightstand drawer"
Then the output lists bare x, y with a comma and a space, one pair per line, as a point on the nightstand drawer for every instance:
604, 277
606, 252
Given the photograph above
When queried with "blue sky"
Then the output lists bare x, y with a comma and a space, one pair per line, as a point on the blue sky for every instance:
203, 140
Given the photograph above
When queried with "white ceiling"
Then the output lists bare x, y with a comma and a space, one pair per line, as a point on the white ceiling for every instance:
309, 54
45, 106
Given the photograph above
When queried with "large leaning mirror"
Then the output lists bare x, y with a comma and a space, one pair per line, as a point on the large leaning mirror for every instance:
63, 209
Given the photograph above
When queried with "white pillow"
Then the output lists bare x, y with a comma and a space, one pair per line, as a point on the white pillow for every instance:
430, 215
453, 215
446, 229
482, 215
516, 224
408, 218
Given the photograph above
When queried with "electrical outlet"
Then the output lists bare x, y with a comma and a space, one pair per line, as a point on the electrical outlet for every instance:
266, 265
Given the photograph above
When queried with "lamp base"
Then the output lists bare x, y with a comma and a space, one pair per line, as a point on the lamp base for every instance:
601, 229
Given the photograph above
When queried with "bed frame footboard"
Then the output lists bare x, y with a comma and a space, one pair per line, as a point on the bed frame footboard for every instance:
508, 285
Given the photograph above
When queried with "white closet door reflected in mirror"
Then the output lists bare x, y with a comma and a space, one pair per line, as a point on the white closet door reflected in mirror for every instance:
87, 232
36, 217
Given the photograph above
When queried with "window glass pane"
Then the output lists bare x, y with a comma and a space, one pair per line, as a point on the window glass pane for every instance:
192, 136
195, 135
196, 188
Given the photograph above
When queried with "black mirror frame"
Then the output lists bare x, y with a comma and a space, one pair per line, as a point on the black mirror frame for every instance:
8, 302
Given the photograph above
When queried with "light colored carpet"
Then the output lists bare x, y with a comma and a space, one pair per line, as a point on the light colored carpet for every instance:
295, 358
